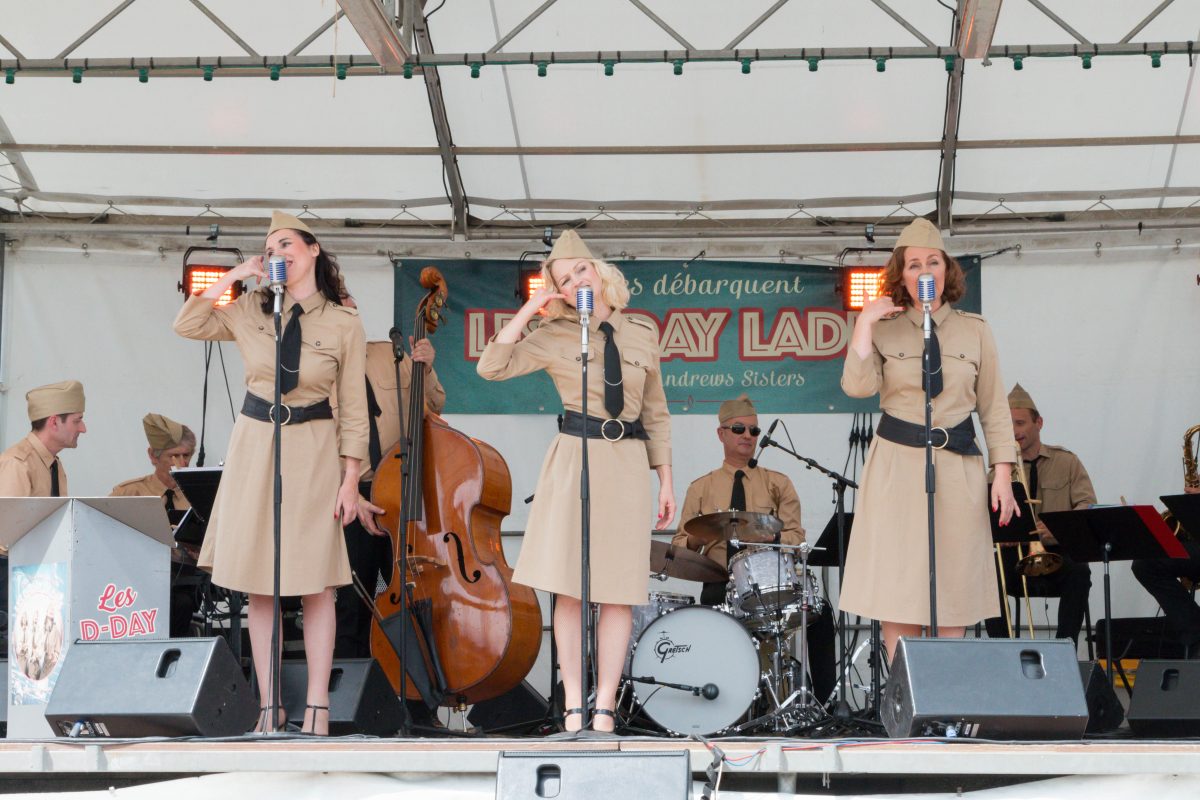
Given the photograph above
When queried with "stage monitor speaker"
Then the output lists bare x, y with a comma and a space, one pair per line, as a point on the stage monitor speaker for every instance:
1105, 713
164, 687
520, 710
361, 700
588, 775
1166, 699
986, 689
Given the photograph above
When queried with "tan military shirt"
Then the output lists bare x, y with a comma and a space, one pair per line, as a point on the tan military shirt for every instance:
1063, 483
767, 492
150, 486
25, 470
968, 349
381, 372
555, 347
331, 351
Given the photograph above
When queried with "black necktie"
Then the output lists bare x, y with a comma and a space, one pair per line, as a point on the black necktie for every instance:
169, 498
54, 478
290, 358
737, 500
935, 365
374, 450
1033, 480
614, 390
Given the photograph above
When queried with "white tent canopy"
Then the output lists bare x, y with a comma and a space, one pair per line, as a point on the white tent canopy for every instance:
643, 149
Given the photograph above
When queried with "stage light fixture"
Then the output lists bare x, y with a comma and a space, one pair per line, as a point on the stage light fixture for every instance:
530, 281
859, 285
475, 65
746, 66
541, 69
198, 276
408, 71
608, 68
678, 66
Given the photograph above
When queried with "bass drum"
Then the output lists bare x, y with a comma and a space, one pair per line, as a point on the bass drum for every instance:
695, 646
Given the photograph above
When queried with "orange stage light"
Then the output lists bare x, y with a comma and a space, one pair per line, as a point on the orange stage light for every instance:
531, 281
859, 285
198, 277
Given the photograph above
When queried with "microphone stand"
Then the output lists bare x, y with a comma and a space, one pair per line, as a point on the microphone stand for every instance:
277, 420
400, 560
585, 532
840, 483
930, 476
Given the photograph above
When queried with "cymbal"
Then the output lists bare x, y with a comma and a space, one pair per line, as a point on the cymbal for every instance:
679, 562
746, 526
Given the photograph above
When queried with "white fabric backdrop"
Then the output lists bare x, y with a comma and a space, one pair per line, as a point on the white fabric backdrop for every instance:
1105, 344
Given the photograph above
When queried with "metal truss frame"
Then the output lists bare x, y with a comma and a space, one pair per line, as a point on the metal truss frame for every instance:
397, 34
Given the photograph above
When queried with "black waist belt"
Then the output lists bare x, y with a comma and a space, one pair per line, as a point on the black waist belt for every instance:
255, 407
959, 439
572, 424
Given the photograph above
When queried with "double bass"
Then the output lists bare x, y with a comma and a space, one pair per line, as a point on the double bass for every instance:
448, 493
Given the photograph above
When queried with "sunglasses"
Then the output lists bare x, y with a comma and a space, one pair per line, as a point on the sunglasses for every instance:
738, 429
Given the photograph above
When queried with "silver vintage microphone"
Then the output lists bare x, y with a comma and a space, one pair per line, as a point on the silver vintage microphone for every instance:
277, 278
585, 304
926, 290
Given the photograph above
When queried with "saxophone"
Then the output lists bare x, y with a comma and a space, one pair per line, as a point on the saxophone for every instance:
1191, 479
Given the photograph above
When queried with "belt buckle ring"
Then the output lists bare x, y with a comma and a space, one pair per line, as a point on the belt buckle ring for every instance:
620, 430
945, 433
271, 414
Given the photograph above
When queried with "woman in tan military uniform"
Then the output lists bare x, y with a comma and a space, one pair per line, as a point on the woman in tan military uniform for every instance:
319, 494
887, 566
620, 452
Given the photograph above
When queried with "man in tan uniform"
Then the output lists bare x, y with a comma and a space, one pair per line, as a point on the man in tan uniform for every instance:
735, 484
31, 467
172, 445
1057, 478
370, 551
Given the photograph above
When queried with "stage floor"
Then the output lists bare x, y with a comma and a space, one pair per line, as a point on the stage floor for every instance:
751, 765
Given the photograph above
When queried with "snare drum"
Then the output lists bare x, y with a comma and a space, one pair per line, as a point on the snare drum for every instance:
772, 571
695, 646
789, 618
660, 603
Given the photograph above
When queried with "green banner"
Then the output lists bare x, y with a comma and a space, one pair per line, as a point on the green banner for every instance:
776, 331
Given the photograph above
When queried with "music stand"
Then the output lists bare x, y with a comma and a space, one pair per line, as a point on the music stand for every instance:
825, 553
1186, 508
199, 485
1112, 533
1019, 530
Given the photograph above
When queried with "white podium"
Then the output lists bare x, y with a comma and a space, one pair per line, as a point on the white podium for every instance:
90, 568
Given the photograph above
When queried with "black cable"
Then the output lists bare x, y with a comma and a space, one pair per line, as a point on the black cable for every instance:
228, 391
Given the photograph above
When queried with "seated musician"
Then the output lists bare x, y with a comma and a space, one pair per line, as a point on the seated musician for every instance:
171, 444
1160, 577
737, 485
1057, 478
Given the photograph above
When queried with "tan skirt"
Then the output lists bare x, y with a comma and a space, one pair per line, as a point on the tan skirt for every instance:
887, 564
239, 545
622, 514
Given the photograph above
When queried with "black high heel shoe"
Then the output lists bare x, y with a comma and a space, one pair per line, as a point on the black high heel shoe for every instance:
316, 710
280, 724
571, 712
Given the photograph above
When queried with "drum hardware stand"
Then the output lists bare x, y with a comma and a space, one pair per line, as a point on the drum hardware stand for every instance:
840, 484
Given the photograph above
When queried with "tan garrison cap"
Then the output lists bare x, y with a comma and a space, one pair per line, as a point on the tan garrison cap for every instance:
921, 233
283, 221
569, 245
741, 407
64, 397
162, 432
1019, 398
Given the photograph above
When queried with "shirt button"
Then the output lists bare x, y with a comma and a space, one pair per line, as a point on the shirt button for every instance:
318, 343
260, 327
578, 358
902, 355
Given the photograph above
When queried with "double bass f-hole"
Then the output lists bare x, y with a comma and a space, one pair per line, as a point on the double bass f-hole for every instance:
462, 559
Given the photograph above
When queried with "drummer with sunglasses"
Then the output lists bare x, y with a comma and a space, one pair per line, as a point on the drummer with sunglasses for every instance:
737, 485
